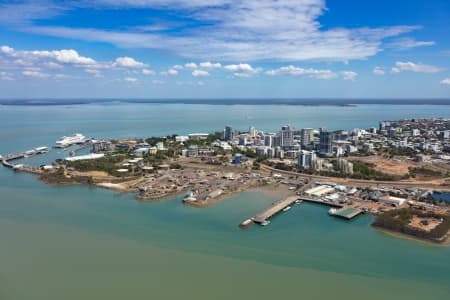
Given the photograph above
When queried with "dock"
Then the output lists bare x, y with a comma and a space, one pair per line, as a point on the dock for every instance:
320, 201
6, 160
345, 213
276, 207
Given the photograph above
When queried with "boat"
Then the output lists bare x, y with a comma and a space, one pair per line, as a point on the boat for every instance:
265, 223
246, 223
332, 211
17, 167
298, 201
67, 141
29, 153
41, 149
286, 208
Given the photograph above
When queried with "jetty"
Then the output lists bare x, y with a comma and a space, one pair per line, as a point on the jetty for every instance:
347, 213
320, 201
6, 160
263, 217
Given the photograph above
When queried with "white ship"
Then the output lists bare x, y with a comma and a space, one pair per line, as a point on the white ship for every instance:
67, 141
41, 149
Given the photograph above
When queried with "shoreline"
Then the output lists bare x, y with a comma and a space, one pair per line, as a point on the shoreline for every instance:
401, 235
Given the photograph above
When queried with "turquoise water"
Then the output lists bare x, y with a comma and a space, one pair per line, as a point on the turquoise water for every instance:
86, 243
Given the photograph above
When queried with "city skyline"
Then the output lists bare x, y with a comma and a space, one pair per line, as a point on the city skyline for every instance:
224, 49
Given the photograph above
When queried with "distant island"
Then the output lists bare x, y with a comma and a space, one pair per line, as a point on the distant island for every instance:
244, 101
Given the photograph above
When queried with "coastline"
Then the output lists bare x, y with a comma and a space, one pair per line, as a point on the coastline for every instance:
400, 235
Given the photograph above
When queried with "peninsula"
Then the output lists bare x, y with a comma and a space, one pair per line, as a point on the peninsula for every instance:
394, 171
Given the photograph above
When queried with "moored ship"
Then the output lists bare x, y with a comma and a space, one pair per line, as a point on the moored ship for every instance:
67, 141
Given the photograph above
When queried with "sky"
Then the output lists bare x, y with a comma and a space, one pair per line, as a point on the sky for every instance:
225, 49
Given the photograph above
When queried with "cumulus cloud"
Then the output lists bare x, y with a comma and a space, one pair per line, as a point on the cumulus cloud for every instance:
237, 30
171, 72
35, 74
6, 76
65, 56
378, 71
148, 72
200, 73
128, 62
191, 66
349, 75
95, 72
445, 81
414, 67
210, 65
178, 67
130, 79
297, 71
242, 70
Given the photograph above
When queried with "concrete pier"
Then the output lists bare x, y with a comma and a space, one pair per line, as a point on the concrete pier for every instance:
274, 209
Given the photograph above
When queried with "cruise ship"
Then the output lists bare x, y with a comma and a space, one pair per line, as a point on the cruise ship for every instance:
67, 141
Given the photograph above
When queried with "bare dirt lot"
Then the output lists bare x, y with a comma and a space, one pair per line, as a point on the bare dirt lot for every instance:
390, 166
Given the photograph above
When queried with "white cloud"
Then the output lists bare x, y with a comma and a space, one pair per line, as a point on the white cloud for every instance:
445, 81
210, 65
148, 72
7, 50
52, 65
158, 82
408, 43
131, 79
242, 70
200, 73
34, 74
414, 67
94, 72
65, 56
191, 66
349, 75
378, 71
178, 67
238, 30
128, 62
297, 71
171, 72
6, 76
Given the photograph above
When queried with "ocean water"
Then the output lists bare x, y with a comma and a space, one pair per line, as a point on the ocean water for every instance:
77, 242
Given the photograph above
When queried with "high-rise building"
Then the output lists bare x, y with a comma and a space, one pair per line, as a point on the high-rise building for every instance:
287, 137
344, 166
228, 134
326, 139
252, 132
268, 140
306, 136
306, 159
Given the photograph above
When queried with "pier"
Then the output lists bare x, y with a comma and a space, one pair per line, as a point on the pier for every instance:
347, 213
278, 206
320, 201
14, 156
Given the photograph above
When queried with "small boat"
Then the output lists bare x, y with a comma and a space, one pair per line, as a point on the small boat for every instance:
286, 208
246, 223
332, 211
265, 223
298, 201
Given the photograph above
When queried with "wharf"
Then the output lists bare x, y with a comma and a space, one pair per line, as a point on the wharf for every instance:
345, 213
274, 209
320, 201
14, 156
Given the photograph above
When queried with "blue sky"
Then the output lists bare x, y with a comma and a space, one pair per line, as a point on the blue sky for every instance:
225, 49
